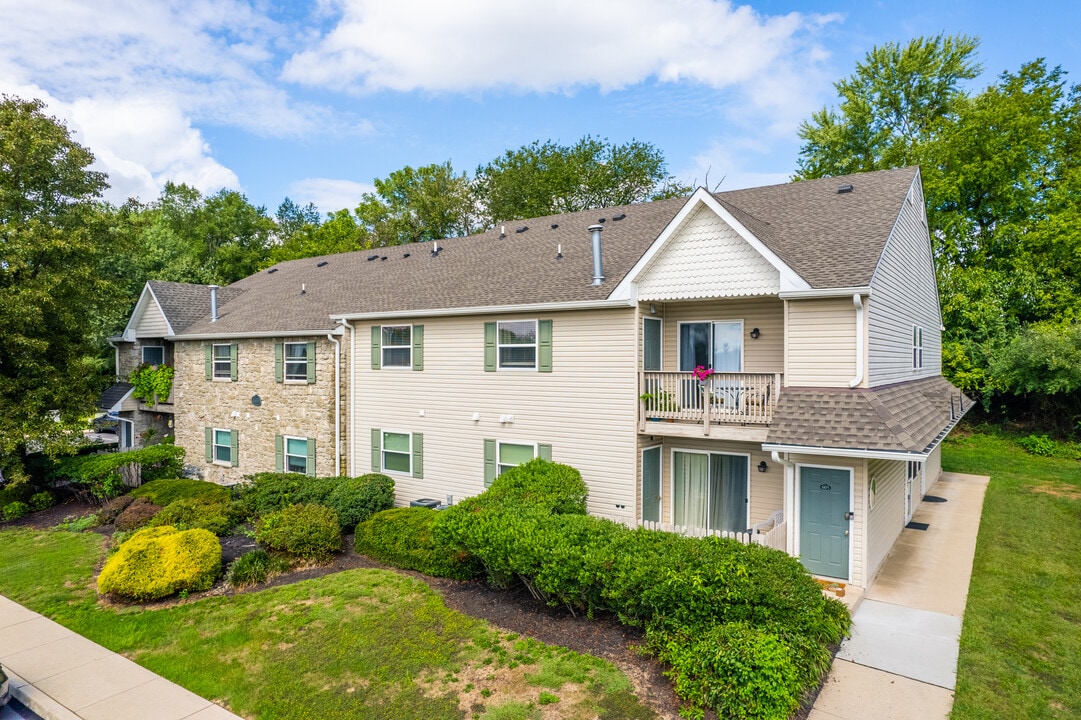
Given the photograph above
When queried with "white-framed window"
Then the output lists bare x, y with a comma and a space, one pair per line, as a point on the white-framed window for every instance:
153, 355
516, 344
717, 345
917, 347
295, 454
296, 361
397, 452
710, 490
510, 455
397, 346
223, 446
223, 363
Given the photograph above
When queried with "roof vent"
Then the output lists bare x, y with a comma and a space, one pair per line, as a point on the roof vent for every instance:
406, 255
383, 258
303, 289
555, 225
602, 220
322, 264
436, 249
271, 271
559, 252
598, 272
502, 231
617, 218
841, 189
372, 257
522, 229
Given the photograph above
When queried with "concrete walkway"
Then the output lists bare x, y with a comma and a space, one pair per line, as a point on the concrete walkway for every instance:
63, 676
901, 661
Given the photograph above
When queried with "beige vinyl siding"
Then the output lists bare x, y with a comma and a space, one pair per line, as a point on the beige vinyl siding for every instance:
152, 323
887, 519
904, 293
933, 467
821, 343
766, 354
766, 489
858, 526
585, 408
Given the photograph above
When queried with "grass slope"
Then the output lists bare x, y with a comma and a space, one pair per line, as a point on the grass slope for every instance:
355, 644
1021, 638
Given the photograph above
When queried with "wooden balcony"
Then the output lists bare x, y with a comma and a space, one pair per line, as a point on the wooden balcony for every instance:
160, 405
724, 399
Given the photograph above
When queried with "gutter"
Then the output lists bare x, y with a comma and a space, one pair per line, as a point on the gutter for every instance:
863, 290
260, 334
488, 310
858, 380
852, 452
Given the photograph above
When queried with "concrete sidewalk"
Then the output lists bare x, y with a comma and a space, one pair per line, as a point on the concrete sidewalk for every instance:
901, 661
63, 676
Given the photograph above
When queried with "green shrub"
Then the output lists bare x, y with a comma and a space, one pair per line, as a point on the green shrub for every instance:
402, 537
138, 513
540, 484
266, 493
158, 562
12, 492
166, 491
310, 531
110, 510
41, 501
16, 510
77, 524
357, 499
252, 568
217, 516
99, 474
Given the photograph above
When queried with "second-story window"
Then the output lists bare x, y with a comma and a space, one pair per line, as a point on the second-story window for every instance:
397, 345
153, 354
517, 344
223, 362
296, 361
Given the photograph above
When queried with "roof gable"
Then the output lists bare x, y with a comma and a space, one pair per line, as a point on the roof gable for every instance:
147, 319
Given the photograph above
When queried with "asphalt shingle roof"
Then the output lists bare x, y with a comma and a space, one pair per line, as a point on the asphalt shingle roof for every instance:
113, 394
831, 239
904, 417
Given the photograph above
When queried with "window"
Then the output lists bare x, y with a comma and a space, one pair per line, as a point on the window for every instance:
223, 362
397, 345
917, 347
717, 345
872, 493
296, 362
296, 455
153, 354
651, 344
512, 454
223, 446
517, 344
397, 452
709, 490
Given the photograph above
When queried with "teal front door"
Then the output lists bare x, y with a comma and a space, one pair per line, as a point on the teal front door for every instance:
823, 536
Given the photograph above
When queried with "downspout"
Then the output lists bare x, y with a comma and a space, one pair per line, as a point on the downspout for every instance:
858, 302
351, 415
337, 403
789, 500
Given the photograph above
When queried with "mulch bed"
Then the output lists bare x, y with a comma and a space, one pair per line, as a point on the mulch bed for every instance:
513, 610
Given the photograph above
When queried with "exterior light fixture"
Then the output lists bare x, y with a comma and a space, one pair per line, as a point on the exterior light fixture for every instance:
755, 334
762, 466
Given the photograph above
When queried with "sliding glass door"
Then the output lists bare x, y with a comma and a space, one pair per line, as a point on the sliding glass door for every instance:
710, 490
717, 345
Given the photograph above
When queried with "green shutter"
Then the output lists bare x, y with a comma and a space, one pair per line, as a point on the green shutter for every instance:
377, 460
311, 457
544, 346
489, 347
279, 363
544, 452
209, 434
651, 344
311, 363
418, 347
233, 455
208, 351
418, 455
377, 348
279, 453
489, 461
232, 362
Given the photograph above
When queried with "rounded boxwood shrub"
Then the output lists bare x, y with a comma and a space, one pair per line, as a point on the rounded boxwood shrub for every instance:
402, 537
217, 516
16, 510
357, 499
166, 491
136, 514
157, 562
41, 501
310, 531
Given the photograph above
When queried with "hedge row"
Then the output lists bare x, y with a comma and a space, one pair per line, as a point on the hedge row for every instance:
352, 499
402, 537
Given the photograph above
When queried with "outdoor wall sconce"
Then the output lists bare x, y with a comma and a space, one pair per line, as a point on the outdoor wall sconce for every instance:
755, 334
762, 466
652, 309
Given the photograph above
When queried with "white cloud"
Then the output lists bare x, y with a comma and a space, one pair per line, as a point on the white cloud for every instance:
327, 194
722, 165
560, 45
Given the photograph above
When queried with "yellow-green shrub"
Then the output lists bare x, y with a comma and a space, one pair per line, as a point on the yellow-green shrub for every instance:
157, 562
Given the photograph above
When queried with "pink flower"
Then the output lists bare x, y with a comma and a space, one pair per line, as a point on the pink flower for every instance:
702, 372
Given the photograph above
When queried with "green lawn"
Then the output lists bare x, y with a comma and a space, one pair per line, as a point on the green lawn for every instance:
1021, 641
355, 644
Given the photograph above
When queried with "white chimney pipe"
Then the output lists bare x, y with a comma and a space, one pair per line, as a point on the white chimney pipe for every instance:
598, 270
213, 303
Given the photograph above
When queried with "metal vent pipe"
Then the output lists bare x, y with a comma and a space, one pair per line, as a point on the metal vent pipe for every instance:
213, 303
598, 270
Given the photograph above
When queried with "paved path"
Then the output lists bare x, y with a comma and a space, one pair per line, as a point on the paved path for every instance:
901, 661
63, 676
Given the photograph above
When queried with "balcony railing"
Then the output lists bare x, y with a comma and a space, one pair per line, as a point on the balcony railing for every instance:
730, 397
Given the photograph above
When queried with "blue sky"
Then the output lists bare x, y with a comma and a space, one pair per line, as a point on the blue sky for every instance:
313, 100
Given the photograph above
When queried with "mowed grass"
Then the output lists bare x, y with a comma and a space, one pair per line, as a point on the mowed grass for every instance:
355, 644
1021, 640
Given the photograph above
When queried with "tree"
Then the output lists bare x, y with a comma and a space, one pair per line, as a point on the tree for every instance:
414, 205
293, 218
52, 234
341, 232
546, 179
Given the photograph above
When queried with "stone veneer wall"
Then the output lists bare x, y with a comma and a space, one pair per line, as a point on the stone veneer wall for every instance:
296, 409
131, 356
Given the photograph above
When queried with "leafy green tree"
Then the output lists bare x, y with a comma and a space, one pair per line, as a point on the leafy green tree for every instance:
293, 218
52, 235
414, 205
549, 178
341, 232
